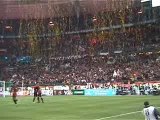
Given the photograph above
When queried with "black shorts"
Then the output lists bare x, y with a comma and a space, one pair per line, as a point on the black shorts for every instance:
39, 94
35, 94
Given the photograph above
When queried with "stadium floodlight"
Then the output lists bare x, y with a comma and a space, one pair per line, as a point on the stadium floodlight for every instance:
145, 0
2, 88
155, 3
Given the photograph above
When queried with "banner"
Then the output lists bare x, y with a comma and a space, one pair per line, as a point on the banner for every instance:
7, 93
47, 92
78, 92
61, 87
100, 92
44, 92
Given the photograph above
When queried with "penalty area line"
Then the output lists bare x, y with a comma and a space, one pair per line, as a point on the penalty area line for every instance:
118, 115
114, 116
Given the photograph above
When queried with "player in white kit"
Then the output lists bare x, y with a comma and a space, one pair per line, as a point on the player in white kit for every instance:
150, 112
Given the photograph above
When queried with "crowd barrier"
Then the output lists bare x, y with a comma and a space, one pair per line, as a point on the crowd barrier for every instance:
87, 92
82, 90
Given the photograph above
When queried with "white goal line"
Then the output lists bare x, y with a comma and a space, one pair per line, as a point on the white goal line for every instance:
114, 116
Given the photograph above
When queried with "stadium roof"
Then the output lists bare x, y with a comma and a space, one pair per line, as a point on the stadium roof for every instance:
30, 9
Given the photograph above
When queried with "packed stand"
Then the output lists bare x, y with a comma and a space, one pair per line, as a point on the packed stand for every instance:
88, 69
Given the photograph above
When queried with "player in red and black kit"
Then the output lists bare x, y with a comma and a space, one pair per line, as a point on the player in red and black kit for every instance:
14, 91
40, 96
36, 89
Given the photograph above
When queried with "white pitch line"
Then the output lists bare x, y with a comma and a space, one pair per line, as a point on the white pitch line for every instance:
114, 116
118, 115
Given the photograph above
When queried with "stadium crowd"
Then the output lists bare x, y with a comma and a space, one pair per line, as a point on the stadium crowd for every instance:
88, 69
120, 54
133, 58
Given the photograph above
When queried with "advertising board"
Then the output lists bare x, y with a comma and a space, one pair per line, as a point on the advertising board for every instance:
78, 92
100, 92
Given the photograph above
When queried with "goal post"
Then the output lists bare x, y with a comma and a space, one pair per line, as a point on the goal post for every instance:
2, 88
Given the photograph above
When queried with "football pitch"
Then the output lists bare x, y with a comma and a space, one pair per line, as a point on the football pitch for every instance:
76, 108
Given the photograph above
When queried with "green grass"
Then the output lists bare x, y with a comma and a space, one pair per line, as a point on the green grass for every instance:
75, 108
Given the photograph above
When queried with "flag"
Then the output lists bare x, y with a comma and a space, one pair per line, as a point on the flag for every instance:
122, 18
114, 73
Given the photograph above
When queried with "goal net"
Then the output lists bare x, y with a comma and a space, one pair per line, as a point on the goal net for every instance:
2, 88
